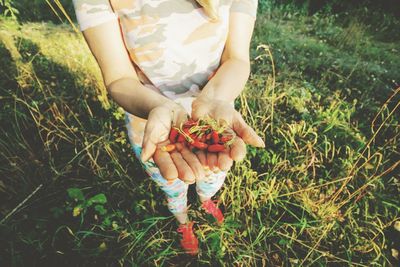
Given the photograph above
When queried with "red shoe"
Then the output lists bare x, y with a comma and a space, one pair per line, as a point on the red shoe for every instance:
211, 208
189, 241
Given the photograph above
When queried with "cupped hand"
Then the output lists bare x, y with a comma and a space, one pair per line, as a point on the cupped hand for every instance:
223, 110
180, 163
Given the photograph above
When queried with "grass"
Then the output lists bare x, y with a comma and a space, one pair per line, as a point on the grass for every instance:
324, 191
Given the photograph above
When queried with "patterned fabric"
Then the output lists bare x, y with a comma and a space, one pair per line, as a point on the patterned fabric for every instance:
173, 45
176, 190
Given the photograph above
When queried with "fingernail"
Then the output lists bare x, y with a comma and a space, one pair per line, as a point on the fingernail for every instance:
225, 169
261, 141
208, 171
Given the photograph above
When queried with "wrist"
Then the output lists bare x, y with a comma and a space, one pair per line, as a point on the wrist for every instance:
156, 100
170, 105
211, 95
208, 93
209, 101
135, 97
175, 110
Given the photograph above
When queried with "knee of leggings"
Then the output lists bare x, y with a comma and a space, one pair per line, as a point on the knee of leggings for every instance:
176, 194
176, 188
209, 188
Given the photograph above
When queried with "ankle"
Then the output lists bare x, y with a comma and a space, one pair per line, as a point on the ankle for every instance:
187, 224
182, 217
204, 199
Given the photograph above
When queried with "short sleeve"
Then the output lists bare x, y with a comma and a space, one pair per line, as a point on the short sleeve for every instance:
91, 13
248, 7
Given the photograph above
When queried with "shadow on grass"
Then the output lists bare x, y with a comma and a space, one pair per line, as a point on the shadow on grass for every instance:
45, 140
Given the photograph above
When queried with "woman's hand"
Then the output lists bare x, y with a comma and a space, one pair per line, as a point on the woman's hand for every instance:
222, 110
181, 163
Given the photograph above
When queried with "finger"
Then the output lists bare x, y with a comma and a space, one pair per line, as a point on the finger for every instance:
207, 171
224, 160
201, 155
247, 133
185, 173
164, 162
193, 162
238, 149
212, 161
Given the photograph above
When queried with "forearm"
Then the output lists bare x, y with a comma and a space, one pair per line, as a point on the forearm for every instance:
134, 97
228, 82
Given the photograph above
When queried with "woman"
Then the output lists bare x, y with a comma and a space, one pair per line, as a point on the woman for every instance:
164, 61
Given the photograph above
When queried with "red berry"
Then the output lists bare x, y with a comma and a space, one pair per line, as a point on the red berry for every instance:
215, 148
225, 139
215, 137
181, 138
199, 145
172, 135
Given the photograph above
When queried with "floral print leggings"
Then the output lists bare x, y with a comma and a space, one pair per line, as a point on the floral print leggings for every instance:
176, 190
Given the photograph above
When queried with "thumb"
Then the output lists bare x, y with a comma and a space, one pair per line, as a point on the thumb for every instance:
149, 145
148, 150
244, 131
156, 130
199, 109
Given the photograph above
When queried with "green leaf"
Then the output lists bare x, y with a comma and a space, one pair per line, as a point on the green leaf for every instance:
100, 209
215, 241
75, 193
57, 212
106, 222
283, 242
99, 199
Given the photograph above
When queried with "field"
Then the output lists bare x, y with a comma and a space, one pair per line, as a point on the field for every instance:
324, 92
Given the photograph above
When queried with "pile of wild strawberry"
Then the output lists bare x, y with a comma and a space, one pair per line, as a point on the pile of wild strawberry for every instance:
204, 134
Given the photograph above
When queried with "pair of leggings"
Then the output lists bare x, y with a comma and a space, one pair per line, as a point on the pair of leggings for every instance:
176, 190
